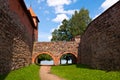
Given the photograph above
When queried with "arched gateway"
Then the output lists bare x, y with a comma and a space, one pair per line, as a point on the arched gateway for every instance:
56, 50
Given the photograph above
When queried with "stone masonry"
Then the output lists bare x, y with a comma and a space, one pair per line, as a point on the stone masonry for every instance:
100, 44
15, 41
55, 49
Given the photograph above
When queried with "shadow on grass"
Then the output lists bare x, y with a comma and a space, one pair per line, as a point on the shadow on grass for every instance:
83, 66
2, 77
65, 64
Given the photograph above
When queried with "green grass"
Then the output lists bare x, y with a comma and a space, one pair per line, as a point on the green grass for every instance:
82, 72
27, 73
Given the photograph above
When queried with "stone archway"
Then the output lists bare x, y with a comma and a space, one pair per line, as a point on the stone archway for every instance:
74, 60
55, 49
37, 54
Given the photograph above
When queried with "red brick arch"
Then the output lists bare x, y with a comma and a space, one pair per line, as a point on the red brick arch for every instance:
73, 53
39, 53
56, 50
56, 59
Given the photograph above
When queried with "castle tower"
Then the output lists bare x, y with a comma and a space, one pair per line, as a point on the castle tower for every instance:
36, 21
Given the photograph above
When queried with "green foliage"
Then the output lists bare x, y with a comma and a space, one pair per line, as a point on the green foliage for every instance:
82, 72
62, 33
27, 73
79, 22
73, 27
44, 57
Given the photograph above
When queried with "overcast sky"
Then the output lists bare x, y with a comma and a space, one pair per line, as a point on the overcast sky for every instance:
52, 12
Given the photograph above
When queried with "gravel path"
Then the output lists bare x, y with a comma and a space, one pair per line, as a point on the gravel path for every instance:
46, 75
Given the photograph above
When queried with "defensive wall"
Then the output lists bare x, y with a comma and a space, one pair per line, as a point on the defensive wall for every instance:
16, 35
100, 44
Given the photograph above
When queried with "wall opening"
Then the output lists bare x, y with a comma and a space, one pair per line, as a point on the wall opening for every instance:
44, 59
68, 58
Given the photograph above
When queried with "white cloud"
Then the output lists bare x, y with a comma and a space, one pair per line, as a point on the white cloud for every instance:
60, 18
58, 2
107, 3
49, 37
58, 5
60, 9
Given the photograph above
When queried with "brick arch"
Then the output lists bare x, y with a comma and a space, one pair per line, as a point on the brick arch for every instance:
39, 53
73, 53
56, 49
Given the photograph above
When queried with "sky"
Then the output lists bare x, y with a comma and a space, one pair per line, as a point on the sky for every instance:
52, 12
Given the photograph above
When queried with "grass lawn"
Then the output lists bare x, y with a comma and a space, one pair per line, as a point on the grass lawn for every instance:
27, 73
82, 72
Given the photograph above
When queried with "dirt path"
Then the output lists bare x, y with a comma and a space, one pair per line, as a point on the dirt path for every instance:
46, 75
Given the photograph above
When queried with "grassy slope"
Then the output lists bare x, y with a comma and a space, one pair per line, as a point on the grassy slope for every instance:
81, 72
27, 73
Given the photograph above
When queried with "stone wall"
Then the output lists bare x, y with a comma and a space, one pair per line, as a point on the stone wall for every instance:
55, 49
15, 42
100, 44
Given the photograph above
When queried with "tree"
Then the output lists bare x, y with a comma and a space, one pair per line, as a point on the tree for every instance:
62, 33
67, 57
54, 35
73, 27
79, 22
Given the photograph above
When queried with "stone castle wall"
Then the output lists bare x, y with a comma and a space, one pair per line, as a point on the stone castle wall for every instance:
100, 44
15, 41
